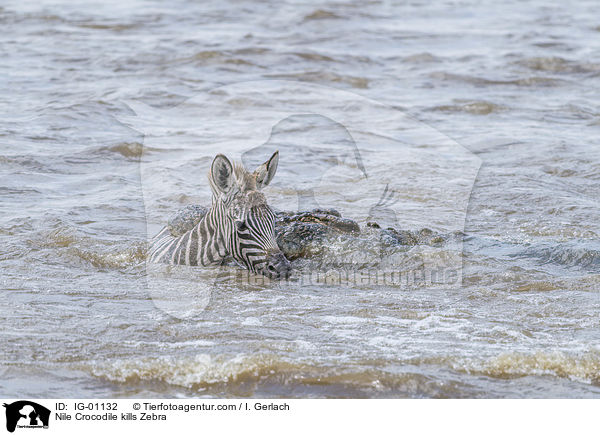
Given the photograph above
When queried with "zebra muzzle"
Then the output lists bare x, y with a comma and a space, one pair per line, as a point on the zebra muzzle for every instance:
277, 266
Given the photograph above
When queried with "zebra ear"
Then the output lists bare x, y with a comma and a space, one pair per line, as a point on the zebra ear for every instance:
265, 172
221, 173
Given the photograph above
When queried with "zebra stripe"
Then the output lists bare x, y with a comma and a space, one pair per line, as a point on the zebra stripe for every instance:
213, 239
198, 246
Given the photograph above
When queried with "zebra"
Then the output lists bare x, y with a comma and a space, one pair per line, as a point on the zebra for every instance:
239, 225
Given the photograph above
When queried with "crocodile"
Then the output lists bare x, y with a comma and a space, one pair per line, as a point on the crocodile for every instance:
306, 234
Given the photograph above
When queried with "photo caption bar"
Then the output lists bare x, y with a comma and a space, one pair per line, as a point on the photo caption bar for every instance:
71, 416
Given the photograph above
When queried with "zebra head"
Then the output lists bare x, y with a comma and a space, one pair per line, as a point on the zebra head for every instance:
247, 221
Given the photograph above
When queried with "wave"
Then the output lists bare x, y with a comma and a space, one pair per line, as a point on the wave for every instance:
92, 251
472, 107
577, 255
556, 64
266, 374
321, 14
480, 81
127, 149
117, 259
568, 254
584, 367
428, 377
194, 372
324, 76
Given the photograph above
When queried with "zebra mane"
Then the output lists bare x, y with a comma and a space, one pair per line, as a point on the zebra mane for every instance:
245, 180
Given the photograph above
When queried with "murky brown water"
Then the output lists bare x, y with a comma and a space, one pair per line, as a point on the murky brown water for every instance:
112, 113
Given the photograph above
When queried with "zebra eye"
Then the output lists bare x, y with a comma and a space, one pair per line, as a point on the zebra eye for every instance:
240, 225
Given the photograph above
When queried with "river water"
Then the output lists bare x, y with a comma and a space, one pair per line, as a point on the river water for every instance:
480, 118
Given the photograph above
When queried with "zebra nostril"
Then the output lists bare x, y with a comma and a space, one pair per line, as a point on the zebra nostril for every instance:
277, 265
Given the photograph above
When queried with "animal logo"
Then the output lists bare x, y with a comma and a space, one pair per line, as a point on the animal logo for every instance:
314, 145
24, 413
382, 212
